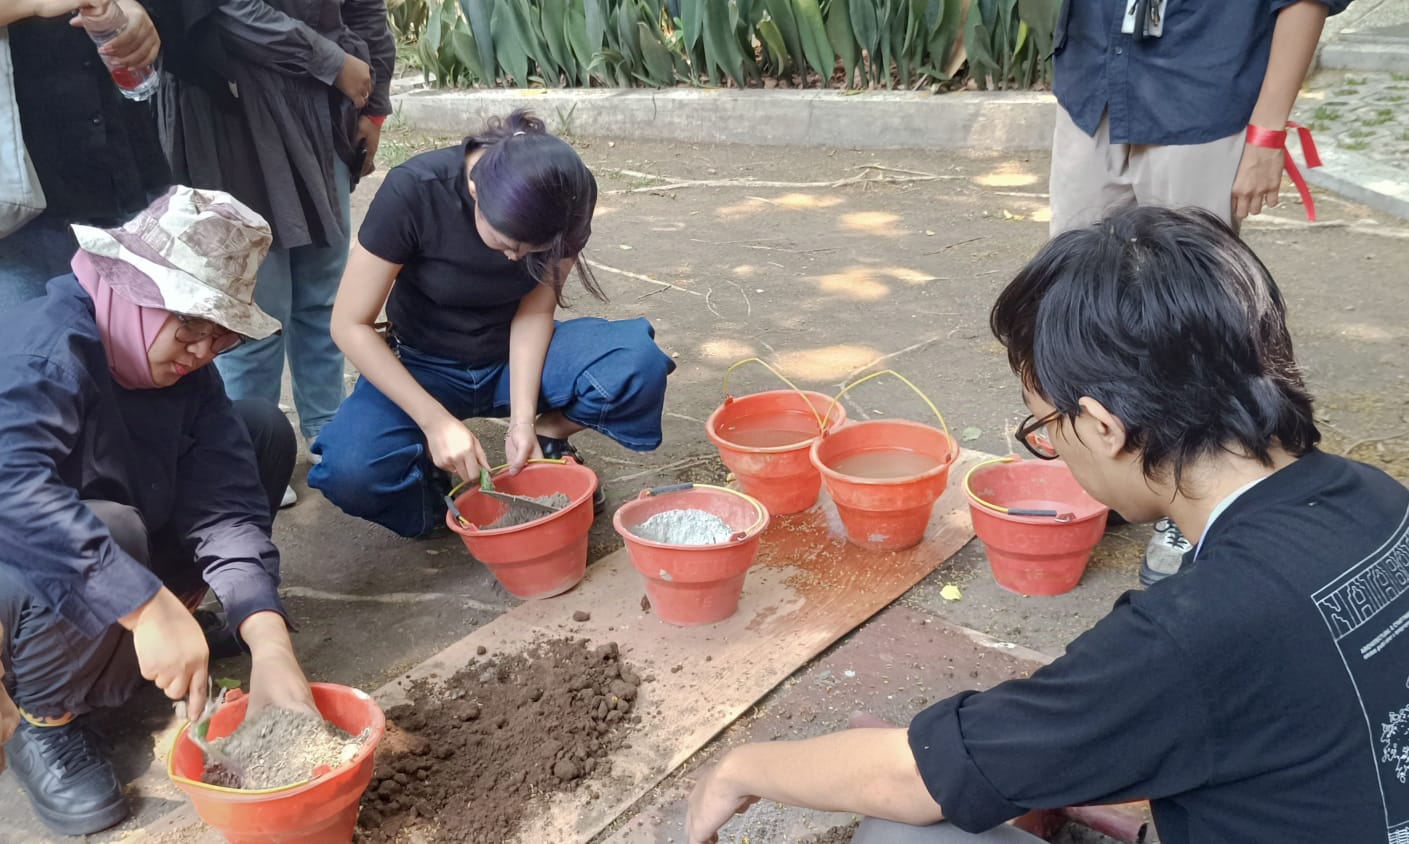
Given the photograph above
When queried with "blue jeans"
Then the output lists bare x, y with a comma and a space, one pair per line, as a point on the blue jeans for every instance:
33, 255
297, 287
608, 376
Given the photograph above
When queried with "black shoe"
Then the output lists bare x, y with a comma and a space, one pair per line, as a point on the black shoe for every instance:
71, 786
222, 642
556, 449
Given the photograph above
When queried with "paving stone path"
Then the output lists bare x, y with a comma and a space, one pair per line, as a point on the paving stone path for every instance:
1364, 113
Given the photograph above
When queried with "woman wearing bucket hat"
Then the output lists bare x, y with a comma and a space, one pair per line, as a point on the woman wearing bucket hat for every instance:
131, 485
1259, 694
468, 249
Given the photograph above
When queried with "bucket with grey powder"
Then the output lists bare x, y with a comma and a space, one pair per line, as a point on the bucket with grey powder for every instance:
693, 544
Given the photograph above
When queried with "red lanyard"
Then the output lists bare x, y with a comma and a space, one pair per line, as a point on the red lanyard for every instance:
1260, 137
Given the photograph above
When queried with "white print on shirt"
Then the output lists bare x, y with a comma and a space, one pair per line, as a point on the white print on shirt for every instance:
1366, 611
1154, 25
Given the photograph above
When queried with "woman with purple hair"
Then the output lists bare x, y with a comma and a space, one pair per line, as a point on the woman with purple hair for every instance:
468, 249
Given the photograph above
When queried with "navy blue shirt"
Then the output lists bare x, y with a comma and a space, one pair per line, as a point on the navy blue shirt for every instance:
178, 454
1258, 695
1196, 83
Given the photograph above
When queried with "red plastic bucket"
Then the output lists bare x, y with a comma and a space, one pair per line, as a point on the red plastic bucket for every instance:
764, 439
1030, 554
886, 513
694, 584
542, 558
320, 811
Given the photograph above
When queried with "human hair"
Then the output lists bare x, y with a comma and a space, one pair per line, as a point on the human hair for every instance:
535, 188
1173, 324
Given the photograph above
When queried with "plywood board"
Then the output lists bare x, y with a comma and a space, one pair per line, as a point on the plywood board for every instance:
807, 589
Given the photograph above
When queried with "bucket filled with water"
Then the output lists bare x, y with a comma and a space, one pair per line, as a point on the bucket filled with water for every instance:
764, 439
1037, 524
693, 544
885, 475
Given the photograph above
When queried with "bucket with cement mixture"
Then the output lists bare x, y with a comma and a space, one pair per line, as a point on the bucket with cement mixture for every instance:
885, 475
693, 544
319, 811
1037, 524
764, 439
539, 558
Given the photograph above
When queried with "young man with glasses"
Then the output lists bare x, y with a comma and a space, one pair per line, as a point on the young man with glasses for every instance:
1259, 695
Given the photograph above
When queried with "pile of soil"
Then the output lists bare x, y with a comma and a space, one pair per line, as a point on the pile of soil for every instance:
277, 747
463, 760
517, 515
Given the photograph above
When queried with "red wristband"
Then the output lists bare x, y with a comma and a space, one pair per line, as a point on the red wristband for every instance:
1274, 139
379, 119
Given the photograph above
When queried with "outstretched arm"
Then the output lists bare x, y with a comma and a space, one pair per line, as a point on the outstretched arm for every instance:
866, 771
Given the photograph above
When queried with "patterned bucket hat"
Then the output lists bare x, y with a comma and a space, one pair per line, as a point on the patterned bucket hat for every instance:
194, 252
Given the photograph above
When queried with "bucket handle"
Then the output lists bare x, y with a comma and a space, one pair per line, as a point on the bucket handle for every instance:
1011, 511
953, 444
737, 536
454, 492
822, 421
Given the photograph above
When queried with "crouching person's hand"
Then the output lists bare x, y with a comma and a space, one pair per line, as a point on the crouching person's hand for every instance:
171, 649
275, 676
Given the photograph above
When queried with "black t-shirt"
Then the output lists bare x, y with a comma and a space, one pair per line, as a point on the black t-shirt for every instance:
454, 297
1260, 695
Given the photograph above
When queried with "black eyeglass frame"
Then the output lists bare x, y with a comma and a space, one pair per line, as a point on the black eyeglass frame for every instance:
222, 339
1033, 435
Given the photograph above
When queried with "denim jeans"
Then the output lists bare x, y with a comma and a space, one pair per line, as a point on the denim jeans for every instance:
608, 376
297, 287
33, 255
876, 831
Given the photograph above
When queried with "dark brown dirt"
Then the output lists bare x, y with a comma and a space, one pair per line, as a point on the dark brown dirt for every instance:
835, 835
463, 761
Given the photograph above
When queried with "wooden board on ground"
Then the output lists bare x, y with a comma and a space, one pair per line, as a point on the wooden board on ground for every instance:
808, 588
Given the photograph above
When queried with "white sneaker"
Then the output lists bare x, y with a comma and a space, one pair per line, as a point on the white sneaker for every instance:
290, 498
314, 459
1165, 553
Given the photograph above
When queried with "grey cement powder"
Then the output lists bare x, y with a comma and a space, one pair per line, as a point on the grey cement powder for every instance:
517, 515
278, 747
684, 527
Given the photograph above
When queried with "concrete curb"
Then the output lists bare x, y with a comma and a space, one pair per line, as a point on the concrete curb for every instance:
995, 121
1000, 121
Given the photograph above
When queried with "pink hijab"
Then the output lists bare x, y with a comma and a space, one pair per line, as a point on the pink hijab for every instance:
128, 329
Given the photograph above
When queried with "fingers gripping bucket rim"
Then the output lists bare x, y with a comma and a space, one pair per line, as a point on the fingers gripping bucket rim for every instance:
541, 558
1033, 554
318, 811
781, 477
690, 585
886, 514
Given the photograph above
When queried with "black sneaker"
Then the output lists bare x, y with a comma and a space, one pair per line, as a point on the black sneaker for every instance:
221, 641
556, 449
69, 783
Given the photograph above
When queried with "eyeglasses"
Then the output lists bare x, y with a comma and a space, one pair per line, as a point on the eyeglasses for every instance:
1032, 433
192, 330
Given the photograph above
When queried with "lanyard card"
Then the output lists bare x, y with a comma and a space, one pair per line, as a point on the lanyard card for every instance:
1154, 18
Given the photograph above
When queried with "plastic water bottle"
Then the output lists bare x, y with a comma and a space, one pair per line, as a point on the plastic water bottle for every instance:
103, 25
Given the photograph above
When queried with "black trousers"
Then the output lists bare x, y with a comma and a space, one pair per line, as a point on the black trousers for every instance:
50, 667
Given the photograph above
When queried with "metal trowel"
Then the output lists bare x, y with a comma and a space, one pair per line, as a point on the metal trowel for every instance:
524, 503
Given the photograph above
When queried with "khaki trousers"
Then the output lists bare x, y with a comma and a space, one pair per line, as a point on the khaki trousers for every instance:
1091, 175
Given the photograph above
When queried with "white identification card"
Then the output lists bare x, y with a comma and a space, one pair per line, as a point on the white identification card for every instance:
1154, 26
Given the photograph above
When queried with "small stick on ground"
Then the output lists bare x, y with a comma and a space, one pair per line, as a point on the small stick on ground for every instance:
627, 273
1371, 441
870, 173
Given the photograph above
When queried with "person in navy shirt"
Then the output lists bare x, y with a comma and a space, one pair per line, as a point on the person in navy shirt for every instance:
1259, 694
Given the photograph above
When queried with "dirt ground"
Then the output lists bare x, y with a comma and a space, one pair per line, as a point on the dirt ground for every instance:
827, 278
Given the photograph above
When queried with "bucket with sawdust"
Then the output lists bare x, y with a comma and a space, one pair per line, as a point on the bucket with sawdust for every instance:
885, 475
321, 810
693, 544
764, 438
536, 559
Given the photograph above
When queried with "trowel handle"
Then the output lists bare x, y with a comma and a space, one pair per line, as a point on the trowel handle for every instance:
665, 490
